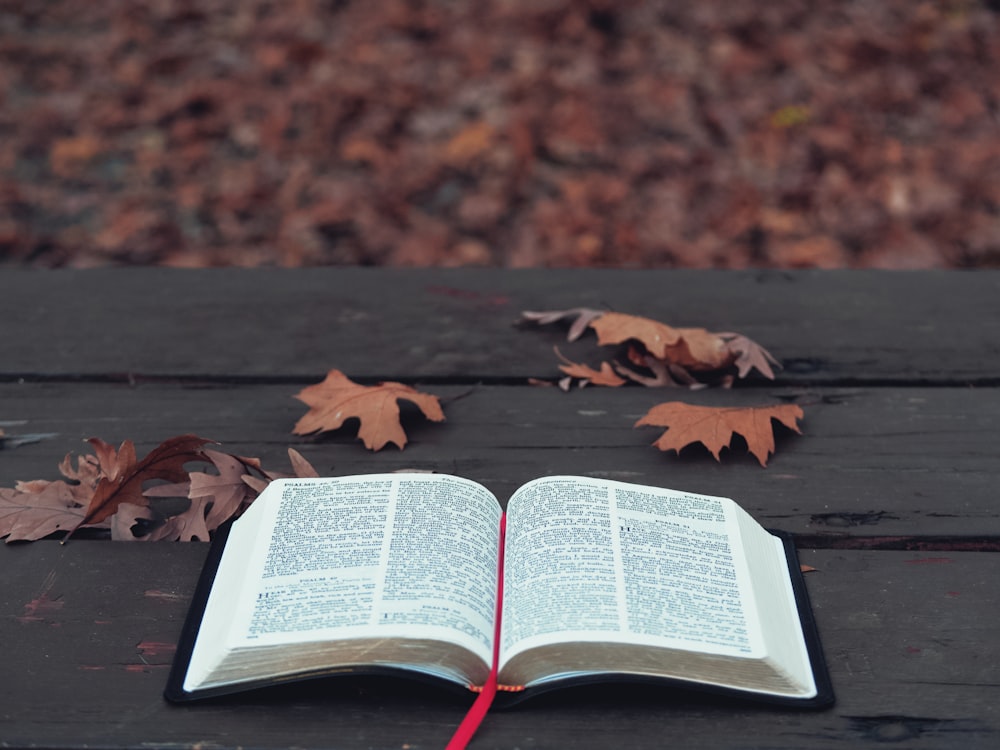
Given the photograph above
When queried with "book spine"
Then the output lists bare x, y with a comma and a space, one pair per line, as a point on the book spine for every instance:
481, 706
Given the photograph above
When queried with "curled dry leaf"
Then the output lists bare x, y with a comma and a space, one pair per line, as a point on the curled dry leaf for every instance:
123, 476
338, 398
750, 355
714, 426
214, 498
661, 374
35, 509
581, 317
585, 374
693, 357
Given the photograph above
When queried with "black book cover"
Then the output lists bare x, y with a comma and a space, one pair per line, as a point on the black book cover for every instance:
176, 693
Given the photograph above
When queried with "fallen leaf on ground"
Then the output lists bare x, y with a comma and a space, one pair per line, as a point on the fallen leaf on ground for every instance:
215, 498
581, 317
750, 355
37, 508
714, 426
587, 374
124, 476
338, 399
693, 357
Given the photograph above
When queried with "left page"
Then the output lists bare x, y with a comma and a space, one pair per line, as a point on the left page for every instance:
395, 570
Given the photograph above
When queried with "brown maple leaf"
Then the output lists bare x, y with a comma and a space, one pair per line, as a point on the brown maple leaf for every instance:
338, 398
713, 426
123, 476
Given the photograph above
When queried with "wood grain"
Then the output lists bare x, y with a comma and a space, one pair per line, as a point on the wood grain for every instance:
870, 462
890, 489
830, 327
911, 655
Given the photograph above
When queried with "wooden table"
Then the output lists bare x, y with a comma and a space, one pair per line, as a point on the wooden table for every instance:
892, 490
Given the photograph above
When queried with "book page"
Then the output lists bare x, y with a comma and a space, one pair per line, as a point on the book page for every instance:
381, 556
593, 560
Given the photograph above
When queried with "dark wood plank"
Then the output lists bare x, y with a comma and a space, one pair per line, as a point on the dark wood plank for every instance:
88, 630
875, 464
828, 327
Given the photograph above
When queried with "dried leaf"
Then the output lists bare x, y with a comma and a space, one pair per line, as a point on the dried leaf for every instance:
125, 518
300, 466
671, 354
36, 509
694, 348
123, 476
338, 399
87, 471
226, 493
713, 427
189, 526
605, 376
664, 374
581, 316
750, 355
257, 484
215, 498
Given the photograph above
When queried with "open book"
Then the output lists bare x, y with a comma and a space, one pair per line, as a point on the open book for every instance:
599, 580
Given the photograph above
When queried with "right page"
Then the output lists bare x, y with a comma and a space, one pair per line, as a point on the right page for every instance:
616, 578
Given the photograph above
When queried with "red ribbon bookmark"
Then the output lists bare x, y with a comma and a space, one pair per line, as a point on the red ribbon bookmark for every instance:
477, 712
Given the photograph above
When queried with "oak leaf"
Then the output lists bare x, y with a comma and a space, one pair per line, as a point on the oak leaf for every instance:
713, 427
694, 357
587, 374
338, 399
123, 475
37, 508
34, 510
214, 498
581, 316
693, 348
750, 355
